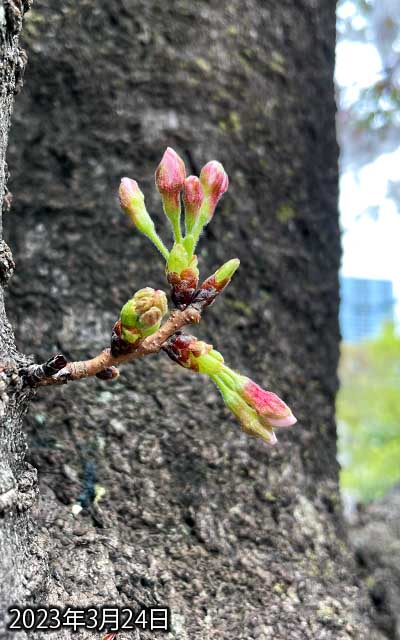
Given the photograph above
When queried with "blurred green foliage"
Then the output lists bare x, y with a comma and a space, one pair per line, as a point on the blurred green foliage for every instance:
368, 410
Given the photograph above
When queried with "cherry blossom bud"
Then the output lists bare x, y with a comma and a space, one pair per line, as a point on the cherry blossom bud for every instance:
170, 173
267, 404
248, 417
141, 316
201, 357
148, 298
269, 407
132, 202
192, 199
214, 179
170, 178
215, 182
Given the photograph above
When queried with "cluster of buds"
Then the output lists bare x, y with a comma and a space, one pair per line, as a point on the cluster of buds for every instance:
200, 198
257, 410
140, 317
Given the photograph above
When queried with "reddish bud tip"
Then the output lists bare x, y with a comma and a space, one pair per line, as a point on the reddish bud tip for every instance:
268, 405
129, 195
170, 173
214, 180
132, 202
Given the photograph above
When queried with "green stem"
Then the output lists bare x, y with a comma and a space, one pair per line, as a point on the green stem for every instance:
220, 380
188, 243
176, 226
201, 221
227, 377
156, 240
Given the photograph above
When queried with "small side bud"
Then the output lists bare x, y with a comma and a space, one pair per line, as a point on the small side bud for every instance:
216, 283
111, 373
192, 198
224, 274
170, 177
54, 364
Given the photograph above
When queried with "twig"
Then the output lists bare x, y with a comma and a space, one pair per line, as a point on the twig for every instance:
105, 360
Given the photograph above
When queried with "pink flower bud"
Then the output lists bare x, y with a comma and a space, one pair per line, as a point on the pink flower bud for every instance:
130, 196
192, 198
132, 202
247, 416
268, 405
170, 173
215, 182
170, 177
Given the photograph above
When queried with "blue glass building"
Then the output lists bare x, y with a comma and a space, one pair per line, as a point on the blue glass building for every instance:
365, 305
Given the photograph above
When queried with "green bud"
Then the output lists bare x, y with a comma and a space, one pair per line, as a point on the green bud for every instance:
141, 316
226, 271
132, 202
215, 284
147, 298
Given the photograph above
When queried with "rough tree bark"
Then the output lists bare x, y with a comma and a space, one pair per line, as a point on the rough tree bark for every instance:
20, 553
239, 540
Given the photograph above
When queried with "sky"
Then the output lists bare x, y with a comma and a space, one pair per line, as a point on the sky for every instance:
370, 244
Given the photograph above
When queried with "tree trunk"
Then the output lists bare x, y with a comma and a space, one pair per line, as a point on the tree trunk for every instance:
21, 555
241, 541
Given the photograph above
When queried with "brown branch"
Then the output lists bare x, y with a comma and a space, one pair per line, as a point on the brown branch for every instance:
105, 359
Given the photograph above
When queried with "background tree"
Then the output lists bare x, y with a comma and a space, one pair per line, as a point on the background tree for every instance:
239, 540
369, 411
368, 119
